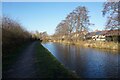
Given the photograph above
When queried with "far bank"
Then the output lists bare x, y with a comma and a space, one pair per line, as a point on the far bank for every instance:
93, 44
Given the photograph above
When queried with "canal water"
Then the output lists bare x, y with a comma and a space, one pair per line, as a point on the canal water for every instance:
86, 62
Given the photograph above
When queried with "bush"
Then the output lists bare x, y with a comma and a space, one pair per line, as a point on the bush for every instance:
13, 35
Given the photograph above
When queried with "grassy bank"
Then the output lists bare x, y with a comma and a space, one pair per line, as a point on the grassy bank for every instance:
94, 44
48, 65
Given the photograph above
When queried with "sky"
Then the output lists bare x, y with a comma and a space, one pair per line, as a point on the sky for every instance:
45, 16
55, 0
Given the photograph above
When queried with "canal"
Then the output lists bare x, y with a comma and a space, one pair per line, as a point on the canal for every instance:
86, 62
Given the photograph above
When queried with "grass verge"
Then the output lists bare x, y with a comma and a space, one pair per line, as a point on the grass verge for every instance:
49, 66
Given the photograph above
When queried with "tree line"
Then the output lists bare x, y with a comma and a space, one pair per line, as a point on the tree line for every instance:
78, 22
75, 22
112, 11
13, 35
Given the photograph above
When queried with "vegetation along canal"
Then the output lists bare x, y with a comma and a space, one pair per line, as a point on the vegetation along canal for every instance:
86, 62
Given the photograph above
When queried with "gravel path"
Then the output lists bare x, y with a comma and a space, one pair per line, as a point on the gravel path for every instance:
24, 66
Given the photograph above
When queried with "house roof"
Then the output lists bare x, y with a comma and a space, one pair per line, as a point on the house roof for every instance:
98, 33
105, 32
113, 33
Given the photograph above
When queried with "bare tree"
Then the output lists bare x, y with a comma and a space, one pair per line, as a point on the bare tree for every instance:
62, 29
82, 21
77, 20
13, 34
82, 18
111, 9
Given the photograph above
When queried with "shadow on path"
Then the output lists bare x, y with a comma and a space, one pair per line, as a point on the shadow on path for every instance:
24, 66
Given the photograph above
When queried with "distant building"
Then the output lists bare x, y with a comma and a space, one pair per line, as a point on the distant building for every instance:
99, 36
90, 36
106, 35
113, 35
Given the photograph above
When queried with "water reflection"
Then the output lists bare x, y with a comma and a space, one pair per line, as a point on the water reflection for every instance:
86, 62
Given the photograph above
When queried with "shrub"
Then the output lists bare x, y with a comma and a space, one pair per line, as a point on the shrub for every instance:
13, 34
